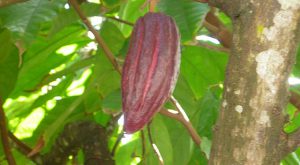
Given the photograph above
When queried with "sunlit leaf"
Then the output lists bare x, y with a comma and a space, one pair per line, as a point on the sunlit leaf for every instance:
187, 14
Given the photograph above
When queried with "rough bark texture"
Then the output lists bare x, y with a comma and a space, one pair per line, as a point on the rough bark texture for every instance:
88, 136
265, 38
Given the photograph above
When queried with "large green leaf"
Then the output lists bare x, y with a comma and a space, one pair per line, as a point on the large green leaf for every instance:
202, 68
40, 59
9, 61
26, 19
188, 15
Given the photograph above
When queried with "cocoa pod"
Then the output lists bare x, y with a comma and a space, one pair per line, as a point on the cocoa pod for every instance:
150, 70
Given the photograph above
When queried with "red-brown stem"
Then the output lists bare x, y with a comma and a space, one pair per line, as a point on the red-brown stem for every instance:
122, 21
295, 100
98, 38
186, 123
4, 136
22, 147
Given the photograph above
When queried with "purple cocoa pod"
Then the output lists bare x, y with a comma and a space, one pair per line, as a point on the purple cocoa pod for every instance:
150, 70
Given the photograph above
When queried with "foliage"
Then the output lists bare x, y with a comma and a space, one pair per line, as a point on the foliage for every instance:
51, 73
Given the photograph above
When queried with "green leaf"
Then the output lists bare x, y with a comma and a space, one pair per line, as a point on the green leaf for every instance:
25, 19
202, 68
9, 60
188, 15
296, 69
161, 138
112, 102
207, 114
112, 36
58, 90
125, 153
105, 78
198, 157
68, 16
181, 141
82, 63
41, 58
111, 3
291, 159
68, 106
205, 146
130, 12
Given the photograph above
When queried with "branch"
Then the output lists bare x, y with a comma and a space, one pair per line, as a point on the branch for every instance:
218, 29
213, 47
98, 38
181, 116
4, 3
4, 137
295, 99
120, 20
25, 149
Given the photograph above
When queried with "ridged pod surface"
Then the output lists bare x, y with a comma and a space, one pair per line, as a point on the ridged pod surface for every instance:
150, 70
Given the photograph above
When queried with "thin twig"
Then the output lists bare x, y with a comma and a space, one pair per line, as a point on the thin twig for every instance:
295, 99
218, 29
154, 147
186, 123
113, 151
120, 20
25, 149
22, 147
186, 120
98, 38
143, 144
292, 142
210, 27
212, 47
4, 137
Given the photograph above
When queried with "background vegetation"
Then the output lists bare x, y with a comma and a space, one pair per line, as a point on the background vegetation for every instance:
52, 72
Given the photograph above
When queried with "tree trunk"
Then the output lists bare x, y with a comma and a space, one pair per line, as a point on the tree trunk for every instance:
251, 120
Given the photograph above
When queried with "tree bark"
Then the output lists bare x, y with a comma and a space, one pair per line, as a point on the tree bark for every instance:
251, 119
